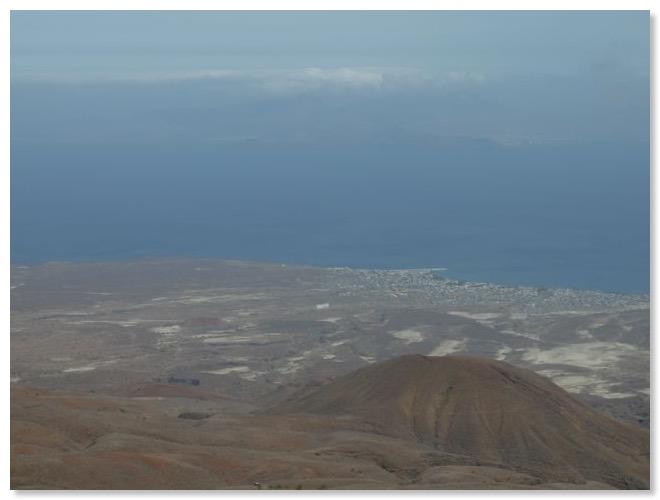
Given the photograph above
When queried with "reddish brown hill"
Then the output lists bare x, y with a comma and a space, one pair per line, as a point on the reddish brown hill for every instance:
418, 422
488, 410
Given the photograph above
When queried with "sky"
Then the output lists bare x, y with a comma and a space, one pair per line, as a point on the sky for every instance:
508, 76
124, 43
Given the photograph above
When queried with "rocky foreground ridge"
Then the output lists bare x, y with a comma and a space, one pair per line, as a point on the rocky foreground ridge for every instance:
414, 422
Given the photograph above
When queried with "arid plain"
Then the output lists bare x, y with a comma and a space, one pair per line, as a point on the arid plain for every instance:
205, 374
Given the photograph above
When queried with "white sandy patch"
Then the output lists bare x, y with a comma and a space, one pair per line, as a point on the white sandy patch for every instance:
293, 365
616, 395
229, 319
227, 340
477, 316
566, 312
328, 356
408, 335
230, 339
91, 366
166, 329
646, 391
571, 382
501, 353
587, 355
168, 335
591, 384
368, 359
210, 334
584, 334
126, 323
15, 379
87, 368
202, 299
533, 336
551, 374
231, 369
598, 323
448, 347
332, 320
337, 344
252, 376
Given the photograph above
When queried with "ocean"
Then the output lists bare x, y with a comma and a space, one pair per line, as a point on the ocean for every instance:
553, 215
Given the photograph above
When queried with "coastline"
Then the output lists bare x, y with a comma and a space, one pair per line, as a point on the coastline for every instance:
420, 286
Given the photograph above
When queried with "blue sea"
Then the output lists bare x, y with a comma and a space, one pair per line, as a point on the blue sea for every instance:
554, 215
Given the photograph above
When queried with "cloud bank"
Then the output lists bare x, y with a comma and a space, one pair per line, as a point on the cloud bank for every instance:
603, 102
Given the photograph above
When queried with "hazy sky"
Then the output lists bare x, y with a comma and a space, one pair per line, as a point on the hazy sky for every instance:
282, 75
116, 43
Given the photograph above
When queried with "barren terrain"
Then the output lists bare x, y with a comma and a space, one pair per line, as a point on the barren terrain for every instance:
110, 356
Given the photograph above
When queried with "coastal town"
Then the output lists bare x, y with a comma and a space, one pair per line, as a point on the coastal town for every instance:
427, 287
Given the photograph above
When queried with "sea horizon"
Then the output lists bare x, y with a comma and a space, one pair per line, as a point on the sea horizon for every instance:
365, 206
